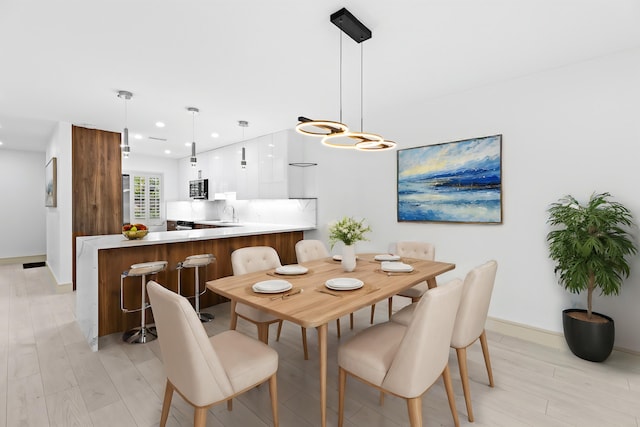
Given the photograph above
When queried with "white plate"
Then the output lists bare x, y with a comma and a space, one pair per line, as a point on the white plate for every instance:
344, 284
339, 257
292, 269
387, 257
396, 267
272, 286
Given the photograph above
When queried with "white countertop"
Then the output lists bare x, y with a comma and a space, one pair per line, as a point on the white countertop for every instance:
161, 237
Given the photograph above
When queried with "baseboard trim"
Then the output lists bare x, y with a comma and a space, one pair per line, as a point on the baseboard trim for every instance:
60, 288
23, 259
536, 335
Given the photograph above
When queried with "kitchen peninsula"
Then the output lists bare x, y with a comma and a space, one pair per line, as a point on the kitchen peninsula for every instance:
100, 260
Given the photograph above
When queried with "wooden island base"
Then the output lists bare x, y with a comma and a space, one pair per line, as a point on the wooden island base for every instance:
112, 262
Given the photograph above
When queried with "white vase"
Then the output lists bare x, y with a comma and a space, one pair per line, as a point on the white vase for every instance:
348, 258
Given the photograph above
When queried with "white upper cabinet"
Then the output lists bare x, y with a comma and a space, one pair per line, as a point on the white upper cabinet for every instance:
267, 174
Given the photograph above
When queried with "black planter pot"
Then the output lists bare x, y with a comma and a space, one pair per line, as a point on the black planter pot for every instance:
588, 340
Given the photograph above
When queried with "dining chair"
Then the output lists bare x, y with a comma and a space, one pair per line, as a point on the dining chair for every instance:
310, 250
405, 360
249, 260
408, 249
470, 321
206, 370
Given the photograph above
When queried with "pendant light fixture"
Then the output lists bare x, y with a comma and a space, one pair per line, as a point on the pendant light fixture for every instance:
193, 111
337, 134
124, 147
243, 124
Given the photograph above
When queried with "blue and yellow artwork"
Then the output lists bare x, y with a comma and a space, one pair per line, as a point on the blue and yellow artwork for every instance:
452, 182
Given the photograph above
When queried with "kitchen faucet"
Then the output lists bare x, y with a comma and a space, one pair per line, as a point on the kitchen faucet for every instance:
234, 218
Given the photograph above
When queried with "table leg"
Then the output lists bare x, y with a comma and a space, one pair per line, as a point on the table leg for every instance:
322, 348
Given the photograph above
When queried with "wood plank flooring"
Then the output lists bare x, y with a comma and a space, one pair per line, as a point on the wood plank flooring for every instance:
49, 377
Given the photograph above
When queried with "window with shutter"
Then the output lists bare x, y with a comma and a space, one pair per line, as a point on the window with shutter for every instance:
146, 203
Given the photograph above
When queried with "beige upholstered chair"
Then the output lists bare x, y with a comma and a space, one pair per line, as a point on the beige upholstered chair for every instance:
405, 360
418, 250
310, 250
207, 370
469, 326
249, 260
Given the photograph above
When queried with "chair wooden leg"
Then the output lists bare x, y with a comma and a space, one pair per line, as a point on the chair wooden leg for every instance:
373, 311
342, 382
166, 403
464, 376
273, 393
263, 332
448, 385
390, 307
304, 343
338, 327
230, 405
200, 416
487, 359
350, 320
234, 316
415, 411
381, 401
279, 330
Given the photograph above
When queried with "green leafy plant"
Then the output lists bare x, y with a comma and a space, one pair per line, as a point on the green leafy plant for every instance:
590, 246
348, 231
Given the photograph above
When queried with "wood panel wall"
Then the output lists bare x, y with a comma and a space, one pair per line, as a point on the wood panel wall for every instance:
96, 184
112, 262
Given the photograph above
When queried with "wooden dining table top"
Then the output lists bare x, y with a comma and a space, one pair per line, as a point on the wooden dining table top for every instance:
311, 303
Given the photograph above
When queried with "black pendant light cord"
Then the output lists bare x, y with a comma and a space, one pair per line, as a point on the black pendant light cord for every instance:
341, 76
361, 87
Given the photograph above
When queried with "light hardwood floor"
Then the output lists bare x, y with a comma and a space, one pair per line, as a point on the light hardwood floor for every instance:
49, 377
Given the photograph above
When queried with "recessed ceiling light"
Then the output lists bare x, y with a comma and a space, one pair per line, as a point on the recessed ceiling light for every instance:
137, 136
160, 124
215, 135
1, 142
187, 144
167, 151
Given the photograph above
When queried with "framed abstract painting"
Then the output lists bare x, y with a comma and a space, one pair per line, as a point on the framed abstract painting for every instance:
459, 182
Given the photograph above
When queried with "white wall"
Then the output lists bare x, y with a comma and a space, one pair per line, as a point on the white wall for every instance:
22, 214
573, 130
59, 220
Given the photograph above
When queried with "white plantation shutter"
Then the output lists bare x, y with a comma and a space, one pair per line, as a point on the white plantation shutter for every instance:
147, 199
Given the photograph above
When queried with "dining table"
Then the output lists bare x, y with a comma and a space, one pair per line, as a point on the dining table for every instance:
310, 303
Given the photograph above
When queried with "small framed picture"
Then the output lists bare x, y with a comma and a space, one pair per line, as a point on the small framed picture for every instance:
51, 191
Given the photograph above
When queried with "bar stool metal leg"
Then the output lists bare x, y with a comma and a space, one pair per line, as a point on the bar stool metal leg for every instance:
195, 262
143, 333
204, 317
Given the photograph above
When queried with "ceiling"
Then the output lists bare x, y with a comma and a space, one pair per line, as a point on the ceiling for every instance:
268, 62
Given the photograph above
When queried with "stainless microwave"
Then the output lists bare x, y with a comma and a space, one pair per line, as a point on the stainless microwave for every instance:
199, 189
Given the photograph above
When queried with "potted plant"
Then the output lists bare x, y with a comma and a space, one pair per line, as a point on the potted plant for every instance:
590, 245
348, 231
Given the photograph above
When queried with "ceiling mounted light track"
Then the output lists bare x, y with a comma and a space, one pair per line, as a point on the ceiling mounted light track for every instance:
193, 111
124, 147
336, 134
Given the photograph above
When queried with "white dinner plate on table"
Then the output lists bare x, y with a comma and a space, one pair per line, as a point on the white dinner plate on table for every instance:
344, 284
396, 267
339, 257
387, 257
272, 286
292, 269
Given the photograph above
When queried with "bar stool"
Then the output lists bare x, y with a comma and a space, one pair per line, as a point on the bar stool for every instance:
142, 333
195, 262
